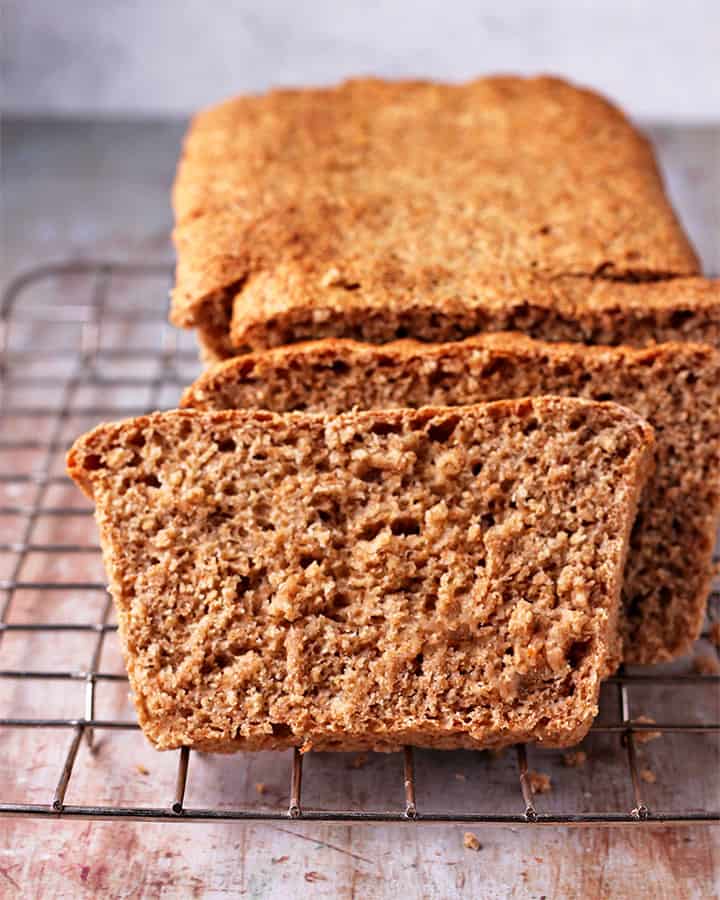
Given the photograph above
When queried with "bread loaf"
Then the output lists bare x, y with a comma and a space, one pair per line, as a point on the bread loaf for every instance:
379, 210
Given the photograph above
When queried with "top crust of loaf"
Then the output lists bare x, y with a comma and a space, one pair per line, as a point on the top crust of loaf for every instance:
374, 194
444, 577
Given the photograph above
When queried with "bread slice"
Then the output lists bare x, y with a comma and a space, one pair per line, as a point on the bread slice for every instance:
377, 210
442, 577
675, 386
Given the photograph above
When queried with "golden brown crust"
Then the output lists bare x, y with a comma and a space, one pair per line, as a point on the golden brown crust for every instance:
444, 577
303, 209
675, 386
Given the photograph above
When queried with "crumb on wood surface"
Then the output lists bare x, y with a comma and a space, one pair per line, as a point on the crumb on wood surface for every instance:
648, 775
539, 782
260, 787
574, 759
706, 664
471, 841
142, 770
312, 876
644, 737
357, 762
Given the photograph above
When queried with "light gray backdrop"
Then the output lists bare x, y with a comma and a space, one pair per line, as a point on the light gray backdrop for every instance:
659, 58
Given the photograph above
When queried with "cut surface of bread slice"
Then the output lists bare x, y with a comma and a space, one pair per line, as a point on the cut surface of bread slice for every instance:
377, 210
675, 386
441, 577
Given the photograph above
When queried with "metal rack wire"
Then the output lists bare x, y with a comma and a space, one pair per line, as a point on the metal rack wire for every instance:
78, 382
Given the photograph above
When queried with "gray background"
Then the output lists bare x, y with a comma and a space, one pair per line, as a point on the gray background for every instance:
659, 58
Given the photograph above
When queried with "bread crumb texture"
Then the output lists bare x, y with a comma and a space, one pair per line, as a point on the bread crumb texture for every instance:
441, 577
675, 386
379, 209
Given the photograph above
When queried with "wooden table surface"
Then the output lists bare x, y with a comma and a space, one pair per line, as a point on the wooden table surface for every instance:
88, 190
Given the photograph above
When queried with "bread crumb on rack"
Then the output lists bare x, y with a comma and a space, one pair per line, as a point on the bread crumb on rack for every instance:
714, 634
644, 737
706, 664
540, 783
575, 759
471, 841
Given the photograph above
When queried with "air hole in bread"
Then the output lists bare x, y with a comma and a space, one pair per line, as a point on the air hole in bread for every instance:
680, 317
371, 531
370, 474
280, 729
442, 431
497, 366
577, 653
405, 525
383, 428
93, 461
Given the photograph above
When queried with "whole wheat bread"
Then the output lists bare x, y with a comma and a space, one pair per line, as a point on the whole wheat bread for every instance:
676, 387
377, 210
443, 577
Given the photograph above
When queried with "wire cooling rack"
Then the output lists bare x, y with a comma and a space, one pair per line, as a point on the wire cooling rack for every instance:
86, 342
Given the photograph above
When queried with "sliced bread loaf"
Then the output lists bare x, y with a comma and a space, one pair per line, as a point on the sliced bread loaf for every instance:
443, 577
676, 387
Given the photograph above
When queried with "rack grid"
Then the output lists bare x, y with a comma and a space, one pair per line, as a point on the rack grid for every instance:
87, 341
